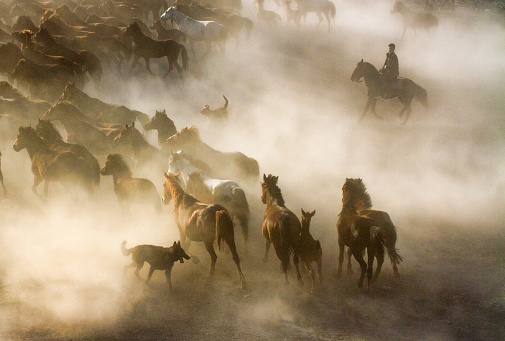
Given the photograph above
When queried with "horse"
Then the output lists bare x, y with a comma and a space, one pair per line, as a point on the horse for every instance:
148, 48
164, 34
292, 15
48, 165
9, 92
318, 7
310, 249
375, 88
133, 139
271, 18
10, 55
281, 227
101, 111
196, 30
359, 233
127, 188
413, 19
230, 165
382, 220
200, 222
2, 177
163, 124
227, 193
80, 129
52, 138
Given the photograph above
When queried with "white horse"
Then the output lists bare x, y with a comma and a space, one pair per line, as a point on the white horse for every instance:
196, 30
318, 7
206, 189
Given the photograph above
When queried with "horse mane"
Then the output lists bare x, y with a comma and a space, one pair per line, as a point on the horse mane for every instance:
118, 161
51, 129
189, 133
270, 184
364, 199
204, 167
177, 193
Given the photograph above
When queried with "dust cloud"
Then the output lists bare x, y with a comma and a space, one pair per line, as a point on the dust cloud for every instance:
293, 107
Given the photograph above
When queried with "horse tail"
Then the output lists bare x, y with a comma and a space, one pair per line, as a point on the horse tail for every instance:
225, 102
124, 250
388, 236
239, 199
421, 95
378, 241
185, 58
224, 226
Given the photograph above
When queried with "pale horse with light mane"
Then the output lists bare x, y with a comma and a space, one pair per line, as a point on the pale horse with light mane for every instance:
227, 193
196, 30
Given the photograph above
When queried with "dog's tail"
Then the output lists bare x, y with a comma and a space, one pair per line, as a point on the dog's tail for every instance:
125, 251
225, 102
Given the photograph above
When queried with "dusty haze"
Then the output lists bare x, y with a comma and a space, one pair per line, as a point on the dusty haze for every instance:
293, 108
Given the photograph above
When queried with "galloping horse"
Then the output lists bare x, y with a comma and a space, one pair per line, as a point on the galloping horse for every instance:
318, 7
229, 165
132, 138
196, 30
281, 227
413, 19
201, 222
127, 188
47, 165
52, 138
358, 233
163, 124
381, 219
227, 193
310, 249
376, 88
147, 48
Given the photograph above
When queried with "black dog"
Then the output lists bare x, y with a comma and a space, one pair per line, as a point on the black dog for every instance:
159, 257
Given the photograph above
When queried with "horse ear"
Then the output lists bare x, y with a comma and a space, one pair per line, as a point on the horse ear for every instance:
165, 174
264, 178
312, 213
361, 60
175, 243
126, 126
301, 209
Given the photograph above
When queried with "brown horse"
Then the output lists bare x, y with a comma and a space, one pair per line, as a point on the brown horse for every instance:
359, 234
382, 220
101, 111
413, 19
281, 227
127, 188
310, 249
131, 138
201, 222
238, 166
148, 48
52, 138
163, 124
406, 93
48, 165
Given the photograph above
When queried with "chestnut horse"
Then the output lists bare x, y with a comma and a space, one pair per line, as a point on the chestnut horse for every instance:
405, 93
201, 222
382, 220
281, 227
48, 165
359, 234
310, 249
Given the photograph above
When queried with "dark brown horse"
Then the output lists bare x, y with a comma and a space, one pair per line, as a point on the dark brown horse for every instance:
239, 167
406, 93
127, 188
359, 234
382, 220
131, 138
48, 165
310, 249
148, 48
52, 138
281, 227
201, 222
163, 124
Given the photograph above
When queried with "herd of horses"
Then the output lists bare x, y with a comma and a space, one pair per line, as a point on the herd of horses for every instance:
208, 189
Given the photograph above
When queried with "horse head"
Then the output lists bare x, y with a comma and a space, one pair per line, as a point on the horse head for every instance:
26, 135
269, 186
116, 165
171, 183
169, 14
357, 74
306, 217
125, 136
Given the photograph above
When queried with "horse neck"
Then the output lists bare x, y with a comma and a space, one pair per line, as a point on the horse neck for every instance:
138, 37
52, 138
305, 228
37, 146
178, 194
276, 200
371, 75
120, 174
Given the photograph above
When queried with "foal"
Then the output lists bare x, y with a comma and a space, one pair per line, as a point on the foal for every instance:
310, 249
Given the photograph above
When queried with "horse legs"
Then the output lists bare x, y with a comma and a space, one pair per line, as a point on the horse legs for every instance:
312, 275
231, 244
368, 104
374, 102
358, 255
340, 258
327, 16
319, 263
369, 272
213, 257
349, 265
296, 259
170, 67
380, 260
148, 65
151, 271
407, 109
243, 220
320, 19
135, 61
36, 181
267, 248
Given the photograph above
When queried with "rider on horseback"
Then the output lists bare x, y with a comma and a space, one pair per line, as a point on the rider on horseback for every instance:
390, 70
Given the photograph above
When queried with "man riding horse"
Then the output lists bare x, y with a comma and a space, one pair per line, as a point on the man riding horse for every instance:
389, 71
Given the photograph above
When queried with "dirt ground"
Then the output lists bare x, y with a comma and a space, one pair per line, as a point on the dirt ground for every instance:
441, 177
